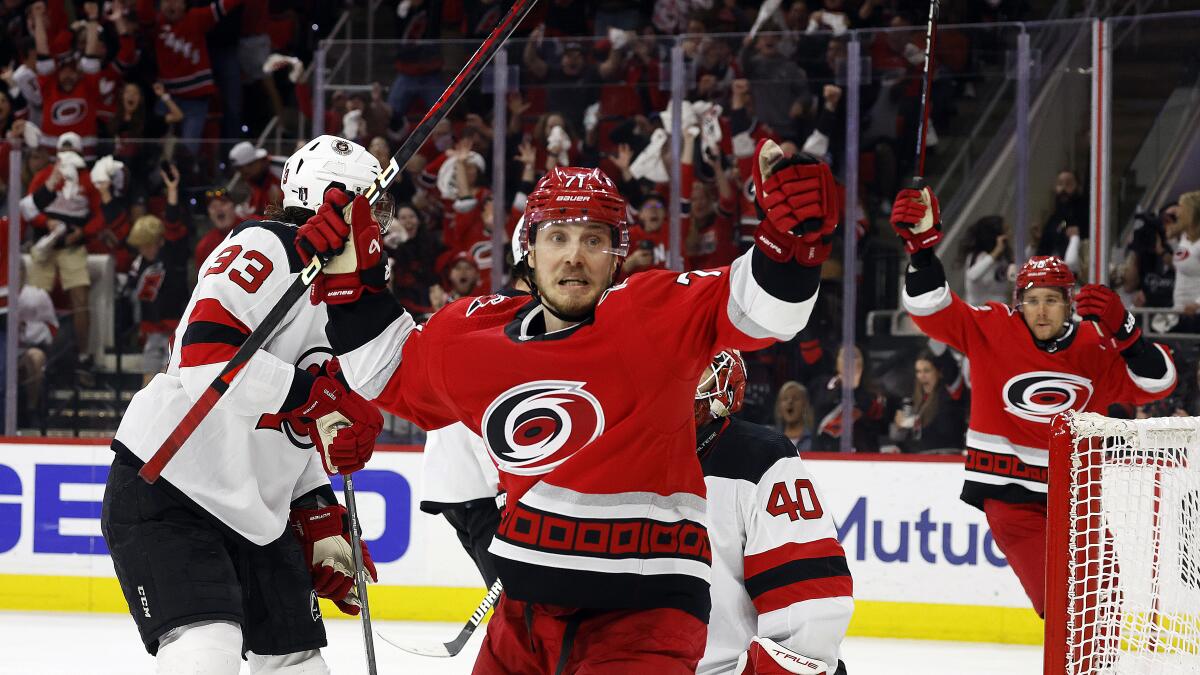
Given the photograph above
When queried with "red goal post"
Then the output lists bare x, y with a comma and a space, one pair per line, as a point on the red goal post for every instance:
1123, 546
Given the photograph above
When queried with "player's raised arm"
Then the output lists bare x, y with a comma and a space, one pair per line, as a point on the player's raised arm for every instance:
1149, 372
927, 297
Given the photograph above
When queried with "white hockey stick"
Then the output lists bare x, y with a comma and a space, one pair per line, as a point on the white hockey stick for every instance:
452, 648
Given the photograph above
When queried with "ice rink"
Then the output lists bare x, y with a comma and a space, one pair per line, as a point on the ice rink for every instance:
107, 644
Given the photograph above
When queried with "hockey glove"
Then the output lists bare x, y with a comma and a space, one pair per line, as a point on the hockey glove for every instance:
342, 424
325, 535
797, 200
1101, 304
917, 219
359, 264
767, 657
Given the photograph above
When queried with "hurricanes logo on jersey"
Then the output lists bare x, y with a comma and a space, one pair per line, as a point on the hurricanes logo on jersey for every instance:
534, 427
1041, 395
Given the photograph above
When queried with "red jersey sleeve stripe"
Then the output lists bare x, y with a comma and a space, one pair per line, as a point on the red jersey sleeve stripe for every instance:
812, 589
205, 353
212, 311
761, 562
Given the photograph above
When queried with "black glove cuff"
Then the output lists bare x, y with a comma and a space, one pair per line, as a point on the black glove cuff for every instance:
298, 393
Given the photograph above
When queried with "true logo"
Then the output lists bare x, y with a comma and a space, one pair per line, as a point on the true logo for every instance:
1040, 395
534, 427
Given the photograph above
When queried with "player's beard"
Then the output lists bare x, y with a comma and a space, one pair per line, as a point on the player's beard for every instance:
572, 307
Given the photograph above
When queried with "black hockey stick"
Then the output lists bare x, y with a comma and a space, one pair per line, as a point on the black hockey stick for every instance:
203, 405
926, 86
360, 574
453, 647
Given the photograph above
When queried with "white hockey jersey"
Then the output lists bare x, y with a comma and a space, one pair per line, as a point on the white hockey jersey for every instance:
456, 469
242, 464
778, 570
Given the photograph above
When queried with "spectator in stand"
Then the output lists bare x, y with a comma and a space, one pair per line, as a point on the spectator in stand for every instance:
794, 414
778, 85
1068, 223
1186, 229
633, 64
181, 53
412, 248
872, 410
222, 215
459, 279
648, 239
1149, 269
571, 82
366, 119
832, 17
254, 169
111, 179
70, 86
38, 326
418, 59
135, 119
711, 224
934, 420
12, 104
63, 206
987, 259
158, 279
554, 139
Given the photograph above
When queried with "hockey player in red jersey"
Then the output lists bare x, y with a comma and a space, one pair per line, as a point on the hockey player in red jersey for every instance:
602, 546
227, 553
1029, 362
781, 589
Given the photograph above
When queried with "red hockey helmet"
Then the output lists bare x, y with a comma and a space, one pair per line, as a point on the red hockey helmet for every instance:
575, 194
722, 392
1044, 271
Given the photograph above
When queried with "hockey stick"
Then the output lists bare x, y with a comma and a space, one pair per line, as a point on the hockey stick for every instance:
203, 405
360, 574
926, 87
452, 648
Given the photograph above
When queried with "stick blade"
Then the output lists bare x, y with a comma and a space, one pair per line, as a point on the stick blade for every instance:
442, 650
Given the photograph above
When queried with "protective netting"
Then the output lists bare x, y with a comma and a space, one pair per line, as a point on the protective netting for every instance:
1133, 546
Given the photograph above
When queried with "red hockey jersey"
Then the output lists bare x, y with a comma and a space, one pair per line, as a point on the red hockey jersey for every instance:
1017, 388
181, 49
591, 427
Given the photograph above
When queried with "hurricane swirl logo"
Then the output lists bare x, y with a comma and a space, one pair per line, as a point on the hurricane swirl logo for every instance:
534, 427
1041, 395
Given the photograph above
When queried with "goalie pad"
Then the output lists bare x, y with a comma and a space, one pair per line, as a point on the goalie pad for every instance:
767, 657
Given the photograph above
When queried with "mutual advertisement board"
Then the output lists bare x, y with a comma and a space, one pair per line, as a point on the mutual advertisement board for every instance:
924, 563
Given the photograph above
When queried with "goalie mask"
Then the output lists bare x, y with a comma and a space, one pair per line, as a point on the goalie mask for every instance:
721, 392
332, 162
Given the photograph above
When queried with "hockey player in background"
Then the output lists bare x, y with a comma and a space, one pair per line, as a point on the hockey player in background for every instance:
602, 546
227, 553
1030, 362
781, 589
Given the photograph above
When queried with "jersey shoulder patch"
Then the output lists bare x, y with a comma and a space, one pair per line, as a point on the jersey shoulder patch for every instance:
284, 232
746, 451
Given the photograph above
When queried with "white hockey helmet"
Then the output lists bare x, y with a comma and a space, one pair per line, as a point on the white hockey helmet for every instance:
325, 162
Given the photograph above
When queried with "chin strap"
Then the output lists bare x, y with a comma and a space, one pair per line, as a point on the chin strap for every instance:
1058, 343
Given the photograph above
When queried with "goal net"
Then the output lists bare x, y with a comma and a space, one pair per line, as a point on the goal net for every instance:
1123, 555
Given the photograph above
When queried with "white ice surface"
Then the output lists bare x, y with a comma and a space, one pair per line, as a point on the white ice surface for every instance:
33, 643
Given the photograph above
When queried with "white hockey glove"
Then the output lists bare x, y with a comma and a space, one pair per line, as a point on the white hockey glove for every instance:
767, 657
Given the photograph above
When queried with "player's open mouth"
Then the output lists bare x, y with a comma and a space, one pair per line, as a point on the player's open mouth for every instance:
573, 282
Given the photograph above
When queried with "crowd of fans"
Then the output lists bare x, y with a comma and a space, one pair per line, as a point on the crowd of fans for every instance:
85, 82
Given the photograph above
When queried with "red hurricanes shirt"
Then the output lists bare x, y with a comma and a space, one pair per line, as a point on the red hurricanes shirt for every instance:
181, 49
591, 427
1017, 388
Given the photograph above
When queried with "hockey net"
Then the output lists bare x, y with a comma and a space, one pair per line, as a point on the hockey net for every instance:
1123, 555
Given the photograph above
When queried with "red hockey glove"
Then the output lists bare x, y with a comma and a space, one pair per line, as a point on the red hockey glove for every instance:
342, 424
325, 535
767, 657
917, 219
798, 201
1101, 304
359, 264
